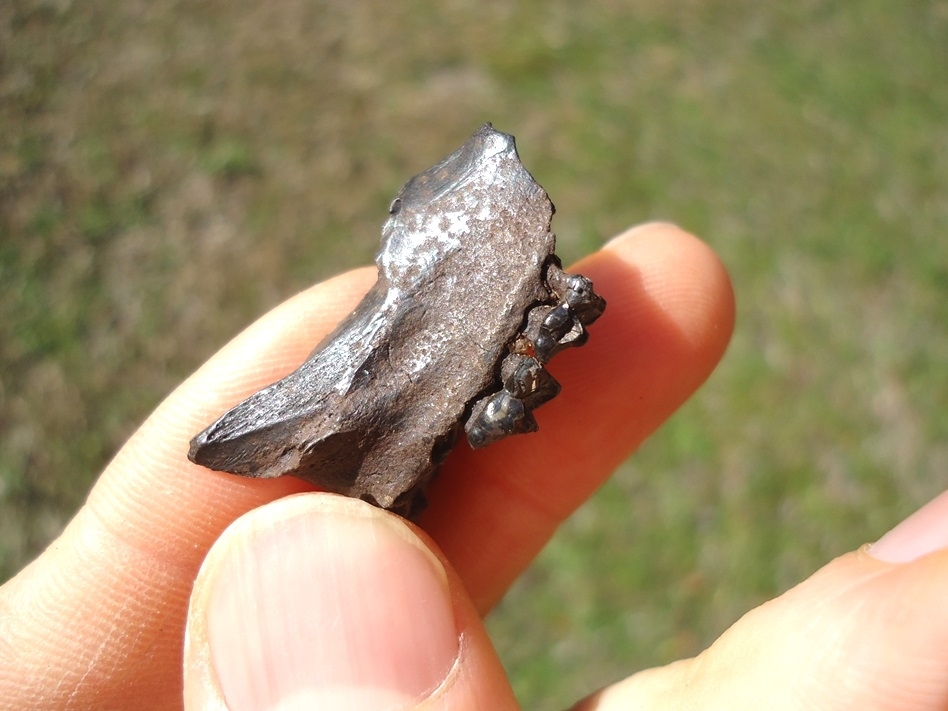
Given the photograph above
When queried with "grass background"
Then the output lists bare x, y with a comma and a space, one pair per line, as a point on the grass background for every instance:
170, 170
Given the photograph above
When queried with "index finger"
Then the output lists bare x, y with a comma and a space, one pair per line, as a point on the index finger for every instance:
669, 317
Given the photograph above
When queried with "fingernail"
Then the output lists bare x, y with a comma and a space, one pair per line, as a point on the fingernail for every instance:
924, 532
325, 602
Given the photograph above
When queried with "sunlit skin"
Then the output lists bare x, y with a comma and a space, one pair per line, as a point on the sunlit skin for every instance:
100, 619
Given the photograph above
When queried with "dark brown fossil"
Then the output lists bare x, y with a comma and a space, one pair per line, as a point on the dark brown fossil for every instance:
469, 306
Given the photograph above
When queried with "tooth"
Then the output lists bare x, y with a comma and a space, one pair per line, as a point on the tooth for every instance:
464, 258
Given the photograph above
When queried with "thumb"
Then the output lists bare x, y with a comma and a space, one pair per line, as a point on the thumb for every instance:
319, 601
869, 631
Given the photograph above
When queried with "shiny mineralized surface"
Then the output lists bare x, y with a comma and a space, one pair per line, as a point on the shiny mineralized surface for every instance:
469, 305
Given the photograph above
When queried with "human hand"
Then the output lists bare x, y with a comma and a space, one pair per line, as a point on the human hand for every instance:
316, 601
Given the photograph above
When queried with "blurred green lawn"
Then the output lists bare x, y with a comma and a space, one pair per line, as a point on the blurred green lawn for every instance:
169, 171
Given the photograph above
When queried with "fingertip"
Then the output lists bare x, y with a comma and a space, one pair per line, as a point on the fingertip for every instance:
921, 533
654, 228
317, 597
684, 276
320, 601
668, 319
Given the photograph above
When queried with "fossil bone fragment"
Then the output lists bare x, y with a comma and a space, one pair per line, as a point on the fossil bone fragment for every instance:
469, 305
